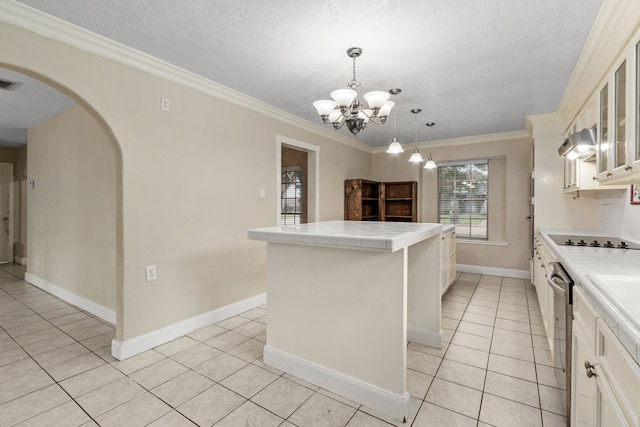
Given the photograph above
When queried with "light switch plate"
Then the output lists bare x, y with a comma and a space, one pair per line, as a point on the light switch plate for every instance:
151, 272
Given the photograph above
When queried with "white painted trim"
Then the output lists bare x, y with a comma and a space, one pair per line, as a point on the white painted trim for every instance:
493, 271
425, 337
480, 242
21, 261
48, 26
124, 349
98, 310
391, 404
467, 140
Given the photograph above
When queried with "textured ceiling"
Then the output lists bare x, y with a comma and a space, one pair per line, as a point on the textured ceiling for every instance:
474, 67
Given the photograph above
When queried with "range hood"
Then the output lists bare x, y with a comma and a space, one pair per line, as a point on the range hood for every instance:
579, 144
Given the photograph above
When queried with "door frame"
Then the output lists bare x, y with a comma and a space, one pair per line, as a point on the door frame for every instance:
313, 174
11, 222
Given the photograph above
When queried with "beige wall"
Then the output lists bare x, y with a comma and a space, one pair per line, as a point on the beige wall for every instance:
72, 207
186, 183
509, 170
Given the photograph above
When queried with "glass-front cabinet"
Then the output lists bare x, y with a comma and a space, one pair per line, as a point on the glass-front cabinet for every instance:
620, 116
636, 105
618, 160
603, 135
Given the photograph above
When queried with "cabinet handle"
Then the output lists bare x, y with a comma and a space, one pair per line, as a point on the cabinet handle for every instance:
590, 369
627, 167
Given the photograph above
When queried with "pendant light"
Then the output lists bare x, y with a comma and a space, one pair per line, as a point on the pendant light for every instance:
430, 163
394, 147
416, 157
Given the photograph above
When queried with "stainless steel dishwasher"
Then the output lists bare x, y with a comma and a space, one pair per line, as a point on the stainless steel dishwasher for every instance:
562, 286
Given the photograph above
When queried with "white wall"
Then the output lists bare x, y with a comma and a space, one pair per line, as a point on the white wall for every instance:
72, 207
186, 181
510, 161
617, 216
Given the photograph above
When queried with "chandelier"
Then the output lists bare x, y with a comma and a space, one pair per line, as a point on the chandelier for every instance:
347, 109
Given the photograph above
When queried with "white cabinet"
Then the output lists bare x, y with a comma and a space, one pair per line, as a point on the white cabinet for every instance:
580, 175
619, 122
448, 265
542, 262
604, 377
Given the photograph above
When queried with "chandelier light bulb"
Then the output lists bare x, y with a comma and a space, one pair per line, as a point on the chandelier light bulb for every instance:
376, 99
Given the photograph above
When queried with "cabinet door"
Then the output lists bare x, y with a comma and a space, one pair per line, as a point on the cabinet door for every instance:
602, 153
608, 413
620, 117
444, 262
584, 393
635, 154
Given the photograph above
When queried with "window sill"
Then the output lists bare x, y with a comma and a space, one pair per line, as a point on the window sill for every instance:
480, 242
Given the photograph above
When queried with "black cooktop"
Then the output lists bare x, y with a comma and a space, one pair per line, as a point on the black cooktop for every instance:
593, 241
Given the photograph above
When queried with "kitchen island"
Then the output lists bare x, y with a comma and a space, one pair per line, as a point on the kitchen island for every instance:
343, 299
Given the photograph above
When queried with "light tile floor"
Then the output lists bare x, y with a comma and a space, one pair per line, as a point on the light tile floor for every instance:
56, 369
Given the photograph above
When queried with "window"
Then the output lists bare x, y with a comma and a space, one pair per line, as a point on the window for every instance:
462, 197
291, 196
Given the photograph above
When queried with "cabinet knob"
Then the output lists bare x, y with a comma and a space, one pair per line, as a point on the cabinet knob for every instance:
627, 167
595, 178
590, 369
609, 174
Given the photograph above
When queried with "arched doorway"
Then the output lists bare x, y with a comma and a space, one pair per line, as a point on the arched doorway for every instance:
72, 187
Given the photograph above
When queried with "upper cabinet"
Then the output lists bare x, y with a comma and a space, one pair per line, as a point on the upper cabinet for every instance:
618, 153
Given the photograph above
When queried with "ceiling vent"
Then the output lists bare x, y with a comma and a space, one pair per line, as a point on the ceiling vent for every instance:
6, 85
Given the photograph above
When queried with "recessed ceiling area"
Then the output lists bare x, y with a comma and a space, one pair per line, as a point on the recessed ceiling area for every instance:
26, 104
473, 67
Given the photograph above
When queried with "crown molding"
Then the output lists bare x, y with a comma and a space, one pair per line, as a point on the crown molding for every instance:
543, 125
614, 26
466, 140
33, 20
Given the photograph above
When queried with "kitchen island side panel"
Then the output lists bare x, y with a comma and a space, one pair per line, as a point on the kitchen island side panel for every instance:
342, 309
424, 300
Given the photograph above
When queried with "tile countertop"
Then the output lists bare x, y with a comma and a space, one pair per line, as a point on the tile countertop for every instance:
610, 278
390, 236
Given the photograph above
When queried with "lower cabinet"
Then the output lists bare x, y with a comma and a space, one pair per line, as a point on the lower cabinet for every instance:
604, 376
542, 267
448, 265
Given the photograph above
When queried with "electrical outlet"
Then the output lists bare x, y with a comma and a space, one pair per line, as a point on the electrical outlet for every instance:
165, 104
151, 273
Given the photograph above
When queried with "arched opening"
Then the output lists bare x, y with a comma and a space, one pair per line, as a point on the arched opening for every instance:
73, 188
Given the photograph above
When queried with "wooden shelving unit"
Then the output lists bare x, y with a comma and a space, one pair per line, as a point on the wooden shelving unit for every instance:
366, 200
400, 201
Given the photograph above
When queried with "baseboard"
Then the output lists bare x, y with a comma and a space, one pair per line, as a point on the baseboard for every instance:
21, 261
388, 403
97, 310
124, 349
493, 271
424, 337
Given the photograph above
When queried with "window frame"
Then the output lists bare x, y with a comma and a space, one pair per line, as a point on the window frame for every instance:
468, 201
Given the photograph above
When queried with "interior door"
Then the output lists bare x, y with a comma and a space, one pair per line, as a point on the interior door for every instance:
6, 214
